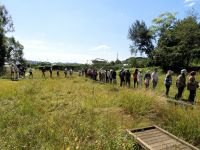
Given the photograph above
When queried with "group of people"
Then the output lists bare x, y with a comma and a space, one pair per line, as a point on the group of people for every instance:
125, 78
17, 71
191, 85
109, 76
105, 75
66, 72
44, 70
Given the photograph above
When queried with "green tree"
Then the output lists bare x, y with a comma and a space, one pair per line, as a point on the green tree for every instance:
179, 44
162, 23
14, 51
132, 62
141, 38
6, 25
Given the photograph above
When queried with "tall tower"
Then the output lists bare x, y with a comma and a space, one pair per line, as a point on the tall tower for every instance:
117, 56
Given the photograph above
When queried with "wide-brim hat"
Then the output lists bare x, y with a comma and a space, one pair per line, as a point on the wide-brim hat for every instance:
193, 73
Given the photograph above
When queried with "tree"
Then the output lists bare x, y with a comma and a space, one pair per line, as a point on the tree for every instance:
179, 44
132, 62
162, 23
14, 51
6, 25
141, 37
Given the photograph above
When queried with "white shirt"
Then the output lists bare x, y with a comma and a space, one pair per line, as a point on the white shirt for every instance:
139, 76
154, 76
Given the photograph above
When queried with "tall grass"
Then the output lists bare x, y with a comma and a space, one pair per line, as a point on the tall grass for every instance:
76, 113
183, 121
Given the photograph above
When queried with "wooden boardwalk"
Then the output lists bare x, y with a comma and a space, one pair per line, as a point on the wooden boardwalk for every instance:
155, 138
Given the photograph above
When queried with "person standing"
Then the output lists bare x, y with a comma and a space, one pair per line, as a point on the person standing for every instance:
12, 72
51, 72
16, 73
57, 72
192, 85
139, 78
147, 78
114, 74
65, 72
30, 73
110, 77
135, 79
43, 72
128, 76
168, 81
122, 77
154, 77
71, 72
181, 84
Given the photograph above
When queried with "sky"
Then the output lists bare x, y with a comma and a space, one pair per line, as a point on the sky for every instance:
82, 30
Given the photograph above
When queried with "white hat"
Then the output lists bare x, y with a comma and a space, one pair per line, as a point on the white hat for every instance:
184, 71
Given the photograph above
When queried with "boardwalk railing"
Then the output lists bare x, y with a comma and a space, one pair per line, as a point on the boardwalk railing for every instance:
155, 138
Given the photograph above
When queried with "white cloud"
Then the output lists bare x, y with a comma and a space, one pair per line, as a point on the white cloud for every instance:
101, 47
189, 3
42, 50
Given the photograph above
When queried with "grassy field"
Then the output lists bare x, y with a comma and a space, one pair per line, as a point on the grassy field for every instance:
77, 113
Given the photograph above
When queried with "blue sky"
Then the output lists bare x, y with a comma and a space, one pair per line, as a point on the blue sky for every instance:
82, 30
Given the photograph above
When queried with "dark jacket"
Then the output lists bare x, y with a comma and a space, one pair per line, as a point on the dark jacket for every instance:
181, 81
192, 83
168, 80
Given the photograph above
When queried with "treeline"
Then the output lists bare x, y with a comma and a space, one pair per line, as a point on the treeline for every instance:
169, 42
54, 66
11, 50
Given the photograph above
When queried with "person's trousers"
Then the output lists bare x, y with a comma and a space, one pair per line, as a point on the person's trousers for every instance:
154, 84
167, 89
180, 92
192, 96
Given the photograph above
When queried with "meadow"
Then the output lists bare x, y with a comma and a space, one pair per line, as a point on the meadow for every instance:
78, 113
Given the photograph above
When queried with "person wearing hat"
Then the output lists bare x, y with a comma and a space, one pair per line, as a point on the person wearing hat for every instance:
192, 85
154, 77
168, 81
181, 84
139, 78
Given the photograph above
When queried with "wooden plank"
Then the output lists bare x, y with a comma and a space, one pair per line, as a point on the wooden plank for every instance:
170, 141
177, 147
171, 146
138, 140
150, 138
155, 138
150, 135
180, 140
